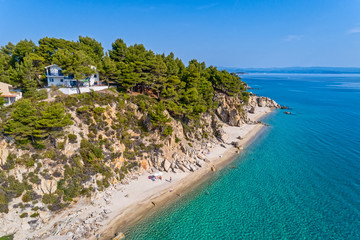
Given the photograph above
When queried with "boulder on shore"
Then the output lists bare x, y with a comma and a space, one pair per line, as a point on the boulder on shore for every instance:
166, 165
119, 236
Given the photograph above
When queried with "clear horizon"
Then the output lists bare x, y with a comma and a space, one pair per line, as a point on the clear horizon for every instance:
238, 34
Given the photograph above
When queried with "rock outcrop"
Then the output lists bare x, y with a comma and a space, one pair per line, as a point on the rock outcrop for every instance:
234, 112
4, 152
230, 109
126, 152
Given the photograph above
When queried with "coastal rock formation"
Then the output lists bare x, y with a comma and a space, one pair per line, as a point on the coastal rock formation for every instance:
234, 112
229, 110
256, 101
4, 152
128, 146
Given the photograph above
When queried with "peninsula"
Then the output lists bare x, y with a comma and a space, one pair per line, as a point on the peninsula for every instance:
75, 163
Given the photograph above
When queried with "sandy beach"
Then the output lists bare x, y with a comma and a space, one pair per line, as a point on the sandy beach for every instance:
122, 205
142, 193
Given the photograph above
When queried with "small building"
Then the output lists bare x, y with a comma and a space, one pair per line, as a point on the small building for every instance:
9, 95
55, 77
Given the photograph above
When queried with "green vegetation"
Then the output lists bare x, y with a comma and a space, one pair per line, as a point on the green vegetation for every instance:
31, 121
8, 237
2, 100
151, 91
184, 90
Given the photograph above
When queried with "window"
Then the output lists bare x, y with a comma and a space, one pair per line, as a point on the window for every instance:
51, 80
61, 80
95, 76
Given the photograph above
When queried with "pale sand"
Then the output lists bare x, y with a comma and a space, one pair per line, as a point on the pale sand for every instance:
126, 204
144, 192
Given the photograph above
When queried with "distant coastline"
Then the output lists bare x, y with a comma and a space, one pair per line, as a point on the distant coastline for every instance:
295, 70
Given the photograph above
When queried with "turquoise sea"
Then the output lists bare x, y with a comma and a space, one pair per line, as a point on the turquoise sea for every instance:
300, 179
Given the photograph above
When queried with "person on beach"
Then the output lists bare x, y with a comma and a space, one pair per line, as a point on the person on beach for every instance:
170, 179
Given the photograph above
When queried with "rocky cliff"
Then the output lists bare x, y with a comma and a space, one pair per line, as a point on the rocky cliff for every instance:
110, 141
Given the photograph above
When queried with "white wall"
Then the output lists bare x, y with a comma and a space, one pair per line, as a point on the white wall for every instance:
56, 81
69, 91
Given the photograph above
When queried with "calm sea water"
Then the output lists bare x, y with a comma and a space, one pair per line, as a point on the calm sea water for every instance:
299, 180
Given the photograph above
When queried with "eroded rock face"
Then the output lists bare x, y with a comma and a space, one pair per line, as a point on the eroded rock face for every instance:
229, 110
256, 101
4, 151
185, 150
166, 165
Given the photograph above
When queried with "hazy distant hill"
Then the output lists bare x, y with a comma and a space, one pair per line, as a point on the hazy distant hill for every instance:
317, 70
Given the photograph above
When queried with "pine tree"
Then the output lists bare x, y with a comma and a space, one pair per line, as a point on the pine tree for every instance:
22, 122
27, 74
2, 100
108, 70
118, 52
53, 118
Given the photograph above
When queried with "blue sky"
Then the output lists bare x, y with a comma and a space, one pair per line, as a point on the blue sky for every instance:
240, 33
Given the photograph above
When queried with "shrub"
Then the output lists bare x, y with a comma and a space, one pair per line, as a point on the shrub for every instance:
61, 145
10, 162
7, 237
72, 138
167, 131
49, 198
41, 94
50, 154
30, 162
24, 215
90, 152
27, 196
99, 110
34, 215
3, 204
33, 178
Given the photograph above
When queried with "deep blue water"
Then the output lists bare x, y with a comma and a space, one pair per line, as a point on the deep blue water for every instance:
299, 180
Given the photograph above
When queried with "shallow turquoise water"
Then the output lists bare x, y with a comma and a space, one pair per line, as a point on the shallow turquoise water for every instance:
299, 180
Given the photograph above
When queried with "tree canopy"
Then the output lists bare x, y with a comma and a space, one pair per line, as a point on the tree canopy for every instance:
184, 90
36, 121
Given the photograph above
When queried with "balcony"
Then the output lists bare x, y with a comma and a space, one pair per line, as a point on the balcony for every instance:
54, 74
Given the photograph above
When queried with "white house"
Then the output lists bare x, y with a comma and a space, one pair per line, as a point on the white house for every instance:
55, 77
9, 96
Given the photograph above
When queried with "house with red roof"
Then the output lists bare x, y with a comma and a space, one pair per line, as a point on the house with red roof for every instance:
9, 95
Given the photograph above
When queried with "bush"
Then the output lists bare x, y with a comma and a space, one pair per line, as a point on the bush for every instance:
10, 162
72, 138
40, 95
50, 154
49, 198
24, 215
7, 237
167, 131
61, 145
90, 152
34, 215
27, 197
3, 204
33, 178
99, 110
30, 162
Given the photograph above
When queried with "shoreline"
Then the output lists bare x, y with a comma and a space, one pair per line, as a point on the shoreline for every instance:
122, 205
184, 184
